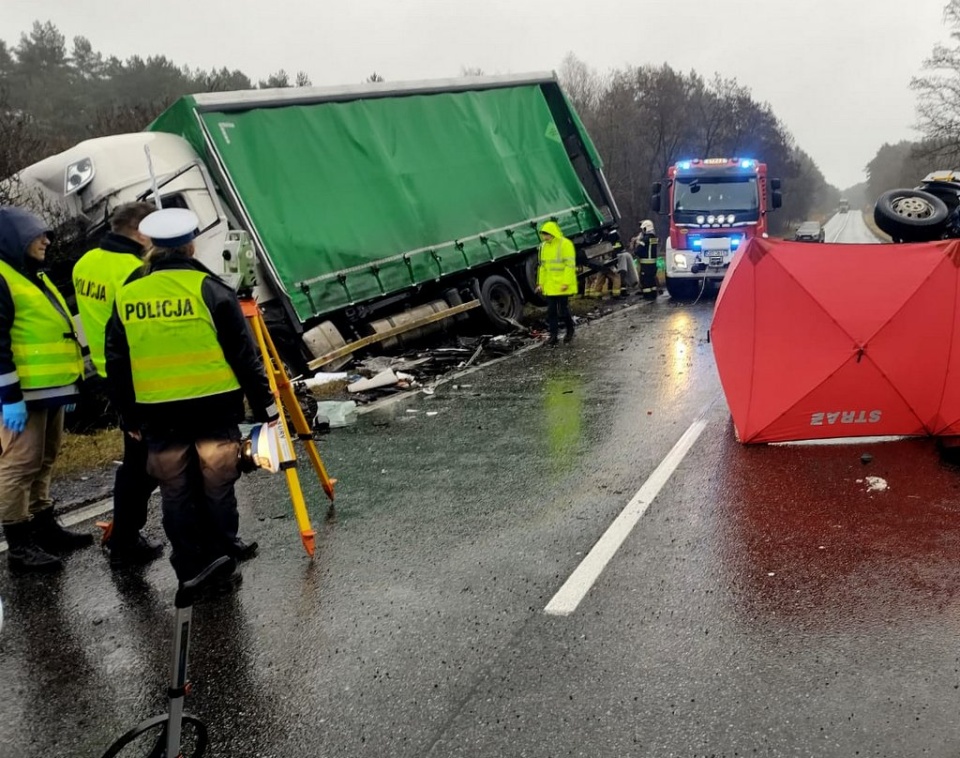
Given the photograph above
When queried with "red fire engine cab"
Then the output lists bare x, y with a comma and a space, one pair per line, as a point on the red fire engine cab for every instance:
714, 206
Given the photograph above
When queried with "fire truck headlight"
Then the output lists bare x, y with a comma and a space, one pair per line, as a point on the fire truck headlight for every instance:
731, 218
680, 261
711, 219
701, 219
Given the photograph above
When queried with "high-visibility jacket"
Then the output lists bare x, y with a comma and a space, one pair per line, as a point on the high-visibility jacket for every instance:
174, 351
558, 263
97, 277
43, 342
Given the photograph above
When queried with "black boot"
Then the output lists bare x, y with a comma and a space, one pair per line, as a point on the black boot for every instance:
137, 552
53, 538
23, 554
243, 551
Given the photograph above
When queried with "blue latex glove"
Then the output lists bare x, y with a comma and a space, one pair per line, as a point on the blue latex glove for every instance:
15, 416
70, 407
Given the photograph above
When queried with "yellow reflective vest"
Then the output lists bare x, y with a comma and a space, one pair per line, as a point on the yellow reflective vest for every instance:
45, 348
558, 263
174, 351
97, 277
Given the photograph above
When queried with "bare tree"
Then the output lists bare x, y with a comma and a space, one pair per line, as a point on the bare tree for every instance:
374, 78
20, 145
938, 92
302, 79
471, 71
583, 85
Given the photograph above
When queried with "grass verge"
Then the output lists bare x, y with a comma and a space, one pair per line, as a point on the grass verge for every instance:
83, 452
872, 226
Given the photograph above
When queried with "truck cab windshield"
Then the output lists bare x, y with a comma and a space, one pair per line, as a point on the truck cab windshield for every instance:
698, 194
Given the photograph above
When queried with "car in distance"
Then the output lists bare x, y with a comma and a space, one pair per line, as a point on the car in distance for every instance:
810, 231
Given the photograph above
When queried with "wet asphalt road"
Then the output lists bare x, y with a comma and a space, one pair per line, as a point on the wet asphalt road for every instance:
768, 603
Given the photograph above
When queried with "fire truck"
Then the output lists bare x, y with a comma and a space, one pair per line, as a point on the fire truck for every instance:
715, 205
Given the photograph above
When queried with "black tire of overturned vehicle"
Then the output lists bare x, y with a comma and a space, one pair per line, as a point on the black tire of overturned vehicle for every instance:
500, 301
911, 215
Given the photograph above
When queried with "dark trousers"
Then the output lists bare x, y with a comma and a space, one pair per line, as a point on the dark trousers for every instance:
648, 277
131, 493
196, 476
558, 306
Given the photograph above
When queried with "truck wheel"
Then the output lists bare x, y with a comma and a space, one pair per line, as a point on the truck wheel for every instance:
289, 345
501, 301
683, 289
911, 215
527, 276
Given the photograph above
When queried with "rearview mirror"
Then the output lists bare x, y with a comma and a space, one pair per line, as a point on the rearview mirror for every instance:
655, 188
776, 199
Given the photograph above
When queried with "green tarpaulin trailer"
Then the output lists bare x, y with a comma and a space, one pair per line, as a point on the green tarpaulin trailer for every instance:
376, 195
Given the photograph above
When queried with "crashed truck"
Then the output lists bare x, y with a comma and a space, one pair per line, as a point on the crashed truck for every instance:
350, 213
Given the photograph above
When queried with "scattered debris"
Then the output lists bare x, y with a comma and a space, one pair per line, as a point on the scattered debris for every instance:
385, 378
368, 379
875, 483
336, 413
322, 379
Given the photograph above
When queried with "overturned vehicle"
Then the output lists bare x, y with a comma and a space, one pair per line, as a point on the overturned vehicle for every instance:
928, 212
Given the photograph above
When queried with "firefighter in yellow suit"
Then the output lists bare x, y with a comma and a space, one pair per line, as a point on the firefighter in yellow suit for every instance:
557, 279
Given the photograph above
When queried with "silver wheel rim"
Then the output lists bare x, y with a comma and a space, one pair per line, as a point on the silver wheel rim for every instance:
912, 207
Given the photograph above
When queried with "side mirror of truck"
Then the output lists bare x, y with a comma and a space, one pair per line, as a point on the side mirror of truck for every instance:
774, 184
776, 199
655, 189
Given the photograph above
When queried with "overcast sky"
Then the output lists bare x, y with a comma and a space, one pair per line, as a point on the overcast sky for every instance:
836, 72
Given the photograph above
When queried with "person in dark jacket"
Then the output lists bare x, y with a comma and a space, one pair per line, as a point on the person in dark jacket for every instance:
181, 358
40, 369
645, 248
97, 277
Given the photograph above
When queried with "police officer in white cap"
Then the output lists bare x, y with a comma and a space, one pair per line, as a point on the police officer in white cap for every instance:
181, 358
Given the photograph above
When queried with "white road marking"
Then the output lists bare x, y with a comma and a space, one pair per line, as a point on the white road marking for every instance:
80, 515
843, 226
586, 574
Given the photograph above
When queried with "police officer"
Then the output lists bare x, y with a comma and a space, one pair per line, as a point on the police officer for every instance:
97, 277
40, 369
181, 358
646, 249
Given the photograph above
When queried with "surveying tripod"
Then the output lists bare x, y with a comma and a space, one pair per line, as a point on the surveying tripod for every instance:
287, 402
